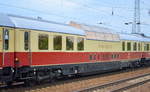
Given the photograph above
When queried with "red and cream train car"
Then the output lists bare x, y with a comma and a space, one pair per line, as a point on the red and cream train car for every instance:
35, 49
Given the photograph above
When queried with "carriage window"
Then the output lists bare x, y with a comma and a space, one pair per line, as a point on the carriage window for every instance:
80, 43
26, 40
57, 42
123, 46
6, 39
147, 47
128, 46
69, 43
139, 46
135, 46
43, 42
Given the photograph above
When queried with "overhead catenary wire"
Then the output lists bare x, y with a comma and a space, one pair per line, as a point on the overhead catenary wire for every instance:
117, 27
66, 17
94, 9
146, 5
109, 5
83, 5
36, 11
100, 11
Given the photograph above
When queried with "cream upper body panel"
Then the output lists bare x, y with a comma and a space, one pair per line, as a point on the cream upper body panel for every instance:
102, 46
34, 38
136, 46
89, 45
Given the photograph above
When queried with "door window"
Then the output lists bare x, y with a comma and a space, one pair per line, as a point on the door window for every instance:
6, 39
26, 40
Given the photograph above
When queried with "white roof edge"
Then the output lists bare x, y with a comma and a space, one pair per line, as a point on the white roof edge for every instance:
133, 37
37, 24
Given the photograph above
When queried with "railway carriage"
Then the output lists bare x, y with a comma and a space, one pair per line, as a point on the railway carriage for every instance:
35, 50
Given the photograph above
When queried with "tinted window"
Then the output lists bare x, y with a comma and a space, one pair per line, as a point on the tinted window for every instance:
135, 46
26, 40
69, 43
6, 39
43, 42
147, 47
57, 42
123, 46
139, 46
80, 43
128, 46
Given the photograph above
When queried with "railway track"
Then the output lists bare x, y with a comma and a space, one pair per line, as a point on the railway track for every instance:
120, 85
73, 84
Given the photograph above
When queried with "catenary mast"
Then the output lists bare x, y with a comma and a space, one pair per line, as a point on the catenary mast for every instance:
136, 22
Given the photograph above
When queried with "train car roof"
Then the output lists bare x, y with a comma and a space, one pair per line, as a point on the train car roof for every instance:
96, 32
89, 27
37, 24
134, 37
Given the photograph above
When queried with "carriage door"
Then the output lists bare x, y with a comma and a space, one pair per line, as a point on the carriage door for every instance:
27, 48
8, 48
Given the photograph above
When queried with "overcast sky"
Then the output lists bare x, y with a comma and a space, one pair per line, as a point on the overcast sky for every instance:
111, 13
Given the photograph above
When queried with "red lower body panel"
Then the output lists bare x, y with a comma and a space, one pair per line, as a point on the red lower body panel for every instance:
58, 58
7, 59
24, 58
49, 58
1, 59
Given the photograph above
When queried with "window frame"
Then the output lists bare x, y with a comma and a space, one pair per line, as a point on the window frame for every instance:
128, 46
78, 43
54, 44
4, 36
123, 46
26, 40
47, 47
147, 47
139, 46
134, 46
72, 44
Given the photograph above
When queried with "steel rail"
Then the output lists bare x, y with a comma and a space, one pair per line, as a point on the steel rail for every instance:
131, 86
98, 87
